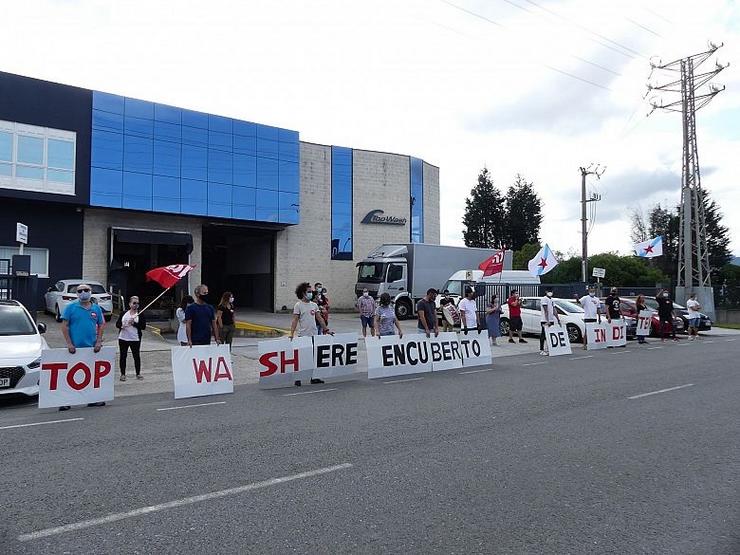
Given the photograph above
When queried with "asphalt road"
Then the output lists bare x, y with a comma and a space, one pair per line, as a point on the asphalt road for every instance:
561, 455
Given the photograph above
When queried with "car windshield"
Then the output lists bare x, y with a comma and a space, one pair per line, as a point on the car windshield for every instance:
651, 303
454, 287
96, 289
371, 272
15, 321
569, 307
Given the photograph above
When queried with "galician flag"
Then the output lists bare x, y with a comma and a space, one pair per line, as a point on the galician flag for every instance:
543, 262
650, 248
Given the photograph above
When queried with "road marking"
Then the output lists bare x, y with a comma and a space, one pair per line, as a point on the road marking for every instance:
406, 380
581, 357
707, 340
658, 347
534, 363
40, 423
728, 340
115, 517
308, 392
618, 352
192, 406
476, 371
660, 391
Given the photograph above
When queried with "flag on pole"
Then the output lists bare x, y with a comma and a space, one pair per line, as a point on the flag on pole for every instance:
543, 262
168, 276
650, 248
493, 264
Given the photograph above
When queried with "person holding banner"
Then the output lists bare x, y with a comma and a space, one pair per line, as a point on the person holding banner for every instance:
386, 322
131, 324
639, 307
591, 310
305, 316
200, 319
82, 327
426, 311
547, 317
665, 314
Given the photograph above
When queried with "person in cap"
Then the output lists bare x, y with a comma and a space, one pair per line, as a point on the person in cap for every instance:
591, 310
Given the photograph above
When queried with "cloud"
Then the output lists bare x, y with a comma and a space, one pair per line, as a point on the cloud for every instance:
633, 189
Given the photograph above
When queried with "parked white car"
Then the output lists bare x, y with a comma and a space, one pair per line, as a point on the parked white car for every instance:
571, 316
64, 292
20, 350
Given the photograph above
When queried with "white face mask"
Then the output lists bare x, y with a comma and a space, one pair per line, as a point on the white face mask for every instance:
231, 300
549, 294
591, 294
365, 294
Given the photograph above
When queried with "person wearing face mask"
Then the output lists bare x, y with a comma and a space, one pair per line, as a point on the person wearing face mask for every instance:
468, 312
639, 307
131, 324
613, 305
82, 326
665, 314
515, 316
200, 319
182, 331
225, 318
548, 317
305, 316
366, 307
591, 310
322, 301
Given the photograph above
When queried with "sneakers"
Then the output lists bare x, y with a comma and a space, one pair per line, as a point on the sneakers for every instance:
66, 407
543, 353
297, 383
314, 381
123, 377
511, 340
98, 404
522, 341
139, 377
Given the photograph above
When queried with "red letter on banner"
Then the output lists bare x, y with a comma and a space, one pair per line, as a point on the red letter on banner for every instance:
285, 362
54, 368
202, 370
219, 374
71, 377
102, 369
265, 360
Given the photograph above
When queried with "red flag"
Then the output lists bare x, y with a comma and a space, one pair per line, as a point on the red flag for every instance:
167, 276
493, 265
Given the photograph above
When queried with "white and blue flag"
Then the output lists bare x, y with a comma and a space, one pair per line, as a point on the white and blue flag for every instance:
650, 248
543, 262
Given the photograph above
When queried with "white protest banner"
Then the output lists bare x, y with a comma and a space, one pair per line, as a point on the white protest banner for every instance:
76, 379
558, 342
595, 336
616, 334
445, 351
335, 356
202, 370
644, 321
476, 349
283, 361
391, 355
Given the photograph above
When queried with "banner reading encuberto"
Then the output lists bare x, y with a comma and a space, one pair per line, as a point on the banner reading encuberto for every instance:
76, 379
202, 370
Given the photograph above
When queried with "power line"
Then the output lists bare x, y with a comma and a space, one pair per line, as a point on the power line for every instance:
641, 26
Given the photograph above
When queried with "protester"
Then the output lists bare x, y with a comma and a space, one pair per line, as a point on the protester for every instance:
225, 318
182, 331
322, 301
447, 304
493, 319
468, 311
131, 324
200, 319
366, 307
426, 312
693, 306
665, 314
547, 317
515, 316
639, 307
386, 322
82, 326
591, 310
305, 315
613, 305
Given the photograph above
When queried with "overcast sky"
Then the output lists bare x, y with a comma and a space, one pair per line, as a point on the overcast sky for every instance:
422, 77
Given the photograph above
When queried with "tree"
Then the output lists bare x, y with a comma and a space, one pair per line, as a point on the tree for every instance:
523, 214
718, 238
484, 219
524, 255
639, 232
620, 270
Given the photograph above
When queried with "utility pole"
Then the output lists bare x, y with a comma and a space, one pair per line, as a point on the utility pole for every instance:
694, 91
598, 172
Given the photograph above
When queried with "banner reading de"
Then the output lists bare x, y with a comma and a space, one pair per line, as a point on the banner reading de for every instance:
558, 342
476, 349
283, 362
335, 356
616, 334
391, 355
76, 379
596, 336
202, 370
644, 321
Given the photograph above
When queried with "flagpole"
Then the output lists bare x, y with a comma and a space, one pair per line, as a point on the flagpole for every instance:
155, 299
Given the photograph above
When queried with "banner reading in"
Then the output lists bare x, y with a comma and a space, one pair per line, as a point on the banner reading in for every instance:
390, 355
283, 361
76, 379
595, 336
558, 342
335, 356
445, 350
644, 321
475, 348
616, 334
202, 370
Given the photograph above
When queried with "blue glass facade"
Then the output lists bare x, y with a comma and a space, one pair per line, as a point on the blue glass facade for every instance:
341, 203
417, 200
159, 158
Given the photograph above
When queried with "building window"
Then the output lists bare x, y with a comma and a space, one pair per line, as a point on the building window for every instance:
341, 203
417, 200
39, 159
39, 259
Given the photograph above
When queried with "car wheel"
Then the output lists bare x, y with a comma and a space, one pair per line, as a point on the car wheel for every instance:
58, 315
504, 327
574, 333
403, 309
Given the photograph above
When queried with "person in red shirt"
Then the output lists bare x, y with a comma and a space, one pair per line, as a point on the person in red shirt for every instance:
515, 316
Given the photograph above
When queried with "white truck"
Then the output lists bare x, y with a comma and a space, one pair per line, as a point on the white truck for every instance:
407, 271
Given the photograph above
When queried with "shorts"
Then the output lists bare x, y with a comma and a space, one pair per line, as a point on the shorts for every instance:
366, 321
515, 323
694, 322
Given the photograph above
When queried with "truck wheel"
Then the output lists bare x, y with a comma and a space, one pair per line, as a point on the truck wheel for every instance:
504, 327
403, 309
574, 334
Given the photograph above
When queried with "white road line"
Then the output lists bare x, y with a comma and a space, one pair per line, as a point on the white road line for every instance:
728, 340
406, 380
192, 406
660, 391
476, 371
115, 517
658, 347
707, 341
534, 363
41, 423
581, 357
619, 352
309, 392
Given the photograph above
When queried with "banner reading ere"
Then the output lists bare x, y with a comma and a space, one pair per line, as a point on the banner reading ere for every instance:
202, 370
76, 379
